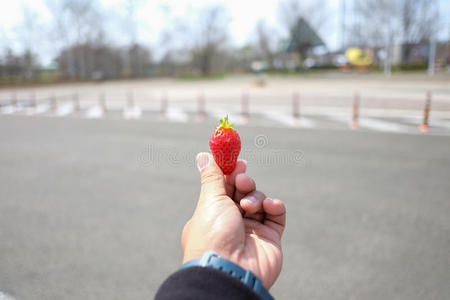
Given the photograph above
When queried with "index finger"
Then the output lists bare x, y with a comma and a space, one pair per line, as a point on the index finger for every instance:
241, 167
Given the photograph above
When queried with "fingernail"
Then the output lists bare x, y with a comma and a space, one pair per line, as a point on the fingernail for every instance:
202, 160
250, 198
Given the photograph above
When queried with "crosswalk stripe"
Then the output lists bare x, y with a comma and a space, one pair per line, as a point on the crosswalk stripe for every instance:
134, 112
372, 124
288, 120
378, 125
440, 123
9, 109
38, 109
176, 115
65, 110
4, 296
94, 112
432, 122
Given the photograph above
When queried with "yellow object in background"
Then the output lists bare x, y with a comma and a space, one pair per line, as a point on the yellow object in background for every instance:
357, 57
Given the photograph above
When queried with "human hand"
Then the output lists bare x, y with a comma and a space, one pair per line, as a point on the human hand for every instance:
238, 222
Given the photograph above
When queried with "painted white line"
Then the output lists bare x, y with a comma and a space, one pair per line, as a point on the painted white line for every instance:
379, 125
339, 118
372, 124
176, 115
9, 109
232, 117
440, 123
64, 110
39, 109
288, 120
432, 122
134, 112
4, 296
94, 112
413, 120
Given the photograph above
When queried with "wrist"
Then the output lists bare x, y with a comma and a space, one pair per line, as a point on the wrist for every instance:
212, 260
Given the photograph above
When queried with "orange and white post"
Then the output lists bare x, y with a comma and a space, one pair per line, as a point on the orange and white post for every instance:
33, 100
102, 102
164, 104
355, 116
425, 126
14, 99
201, 114
54, 104
130, 100
245, 108
295, 109
76, 102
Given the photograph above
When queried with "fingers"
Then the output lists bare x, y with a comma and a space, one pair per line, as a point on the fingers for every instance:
244, 185
275, 214
212, 180
252, 205
241, 167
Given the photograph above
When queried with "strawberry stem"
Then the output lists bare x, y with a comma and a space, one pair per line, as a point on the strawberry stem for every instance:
224, 123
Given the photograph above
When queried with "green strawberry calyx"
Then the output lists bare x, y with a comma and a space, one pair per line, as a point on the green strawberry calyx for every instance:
224, 123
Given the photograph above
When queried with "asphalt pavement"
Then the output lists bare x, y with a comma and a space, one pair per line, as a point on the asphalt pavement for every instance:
93, 209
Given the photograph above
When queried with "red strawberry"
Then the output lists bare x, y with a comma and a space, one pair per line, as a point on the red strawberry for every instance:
225, 145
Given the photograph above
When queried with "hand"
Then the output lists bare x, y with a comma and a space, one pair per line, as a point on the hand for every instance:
235, 220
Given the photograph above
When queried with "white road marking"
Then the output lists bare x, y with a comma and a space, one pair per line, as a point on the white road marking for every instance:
4, 296
373, 124
9, 109
134, 112
64, 110
432, 122
39, 109
440, 123
176, 115
288, 120
94, 112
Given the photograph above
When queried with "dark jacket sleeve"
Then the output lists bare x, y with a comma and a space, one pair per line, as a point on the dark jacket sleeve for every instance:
199, 283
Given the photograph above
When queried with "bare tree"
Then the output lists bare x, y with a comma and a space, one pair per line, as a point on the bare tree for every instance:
139, 60
383, 23
27, 34
419, 20
314, 12
77, 22
265, 41
210, 35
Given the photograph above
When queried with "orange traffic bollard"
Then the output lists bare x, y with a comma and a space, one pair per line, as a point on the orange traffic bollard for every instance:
201, 114
245, 108
425, 126
130, 99
76, 102
14, 99
33, 99
164, 105
295, 108
355, 118
53, 104
102, 102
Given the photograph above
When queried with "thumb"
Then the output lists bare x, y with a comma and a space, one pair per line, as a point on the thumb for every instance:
212, 179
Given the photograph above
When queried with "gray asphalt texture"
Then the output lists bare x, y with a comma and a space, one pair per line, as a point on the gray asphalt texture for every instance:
93, 209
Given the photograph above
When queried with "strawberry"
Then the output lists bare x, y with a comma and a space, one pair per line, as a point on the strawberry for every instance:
225, 145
